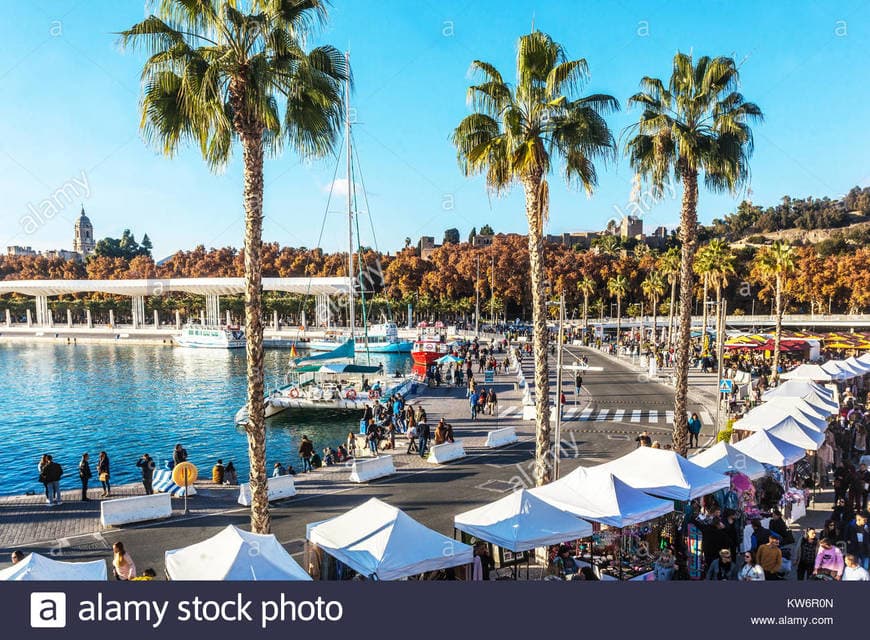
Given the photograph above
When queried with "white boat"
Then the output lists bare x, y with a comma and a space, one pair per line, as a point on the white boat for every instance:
380, 338
332, 386
211, 337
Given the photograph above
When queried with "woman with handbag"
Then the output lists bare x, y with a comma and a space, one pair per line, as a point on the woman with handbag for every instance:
43, 463
104, 473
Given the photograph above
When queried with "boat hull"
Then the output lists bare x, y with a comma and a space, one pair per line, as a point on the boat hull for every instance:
192, 344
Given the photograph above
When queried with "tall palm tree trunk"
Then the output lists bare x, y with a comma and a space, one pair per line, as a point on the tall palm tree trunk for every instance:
618, 320
252, 150
720, 321
655, 312
534, 203
778, 336
689, 237
671, 311
704, 317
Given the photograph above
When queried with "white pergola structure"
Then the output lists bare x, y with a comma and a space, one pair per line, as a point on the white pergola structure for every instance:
138, 290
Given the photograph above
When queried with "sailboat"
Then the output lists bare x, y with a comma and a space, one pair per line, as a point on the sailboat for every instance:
332, 380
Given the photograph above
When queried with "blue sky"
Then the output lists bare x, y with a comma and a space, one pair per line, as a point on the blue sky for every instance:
70, 111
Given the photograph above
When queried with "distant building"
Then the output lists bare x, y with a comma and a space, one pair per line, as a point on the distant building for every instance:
63, 254
20, 251
481, 241
427, 246
631, 227
581, 239
83, 238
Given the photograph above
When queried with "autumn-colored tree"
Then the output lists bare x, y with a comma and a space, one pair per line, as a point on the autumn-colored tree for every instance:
586, 287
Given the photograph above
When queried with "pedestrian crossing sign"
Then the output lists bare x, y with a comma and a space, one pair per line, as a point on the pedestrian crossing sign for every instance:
726, 386
488, 375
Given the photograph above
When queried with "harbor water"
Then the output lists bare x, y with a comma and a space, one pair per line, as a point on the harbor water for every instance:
133, 399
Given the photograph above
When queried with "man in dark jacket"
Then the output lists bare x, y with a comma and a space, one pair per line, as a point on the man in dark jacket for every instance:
760, 535
857, 537
146, 464
423, 434
85, 475
714, 538
778, 526
306, 450
52, 474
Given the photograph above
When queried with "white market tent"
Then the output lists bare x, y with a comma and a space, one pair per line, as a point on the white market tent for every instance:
814, 394
601, 497
522, 521
865, 359
379, 541
36, 567
234, 554
794, 432
769, 449
857, 365
840, 370
808, 372
723, 457
801, 405
665, 473
767, 414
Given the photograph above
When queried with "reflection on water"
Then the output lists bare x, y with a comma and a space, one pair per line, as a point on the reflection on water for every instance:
133, 399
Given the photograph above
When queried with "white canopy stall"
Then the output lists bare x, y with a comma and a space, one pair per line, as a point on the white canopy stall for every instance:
599, 496
382, 542
807, 390
769, 449
521, 521
665, 473
794, 432
768, 414
39, 568
808, 372
234, 554
723, 457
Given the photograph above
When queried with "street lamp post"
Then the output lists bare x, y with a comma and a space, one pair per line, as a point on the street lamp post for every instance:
557, 450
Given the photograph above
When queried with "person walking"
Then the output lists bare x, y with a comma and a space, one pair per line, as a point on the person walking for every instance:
750, 571
694, 430
372, 430
473, 400
424, 434
770, 557
306, 450
104, 473
807, 551
122, 564
722, 568
85, 475
52, 473
146, 465
578, 386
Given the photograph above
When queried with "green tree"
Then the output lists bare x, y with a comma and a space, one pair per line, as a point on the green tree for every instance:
217, 75
777, 262
516, 134
472, 234
720, 263
486, 230
697, 124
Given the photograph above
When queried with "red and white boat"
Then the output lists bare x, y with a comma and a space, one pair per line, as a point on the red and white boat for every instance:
426, 350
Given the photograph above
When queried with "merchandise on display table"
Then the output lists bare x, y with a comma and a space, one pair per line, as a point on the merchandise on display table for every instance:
794, 504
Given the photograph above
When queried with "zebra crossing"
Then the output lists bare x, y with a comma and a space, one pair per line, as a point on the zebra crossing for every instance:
637, 416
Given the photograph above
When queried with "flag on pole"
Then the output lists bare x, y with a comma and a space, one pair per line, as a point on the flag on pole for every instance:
293, 350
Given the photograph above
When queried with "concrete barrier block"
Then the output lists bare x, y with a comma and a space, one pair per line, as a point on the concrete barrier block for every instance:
278, 489
441, 453
529, 412
372, 468
135, 509
501, 437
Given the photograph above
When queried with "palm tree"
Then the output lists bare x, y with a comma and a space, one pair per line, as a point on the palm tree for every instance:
217, 75
618, 287
586, 286
607, 245
778, 262
720, 261
599, 304
516, 134
653, 288
669, 265
698, 123
702, 268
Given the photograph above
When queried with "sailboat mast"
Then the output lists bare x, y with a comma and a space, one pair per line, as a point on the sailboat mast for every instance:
350, 305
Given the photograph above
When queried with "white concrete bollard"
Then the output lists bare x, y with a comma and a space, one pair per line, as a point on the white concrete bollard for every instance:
278, 489
441, 453
136, 509
501, 437
366, 469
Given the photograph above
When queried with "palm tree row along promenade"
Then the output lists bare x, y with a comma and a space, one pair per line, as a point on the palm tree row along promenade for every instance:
218, 75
